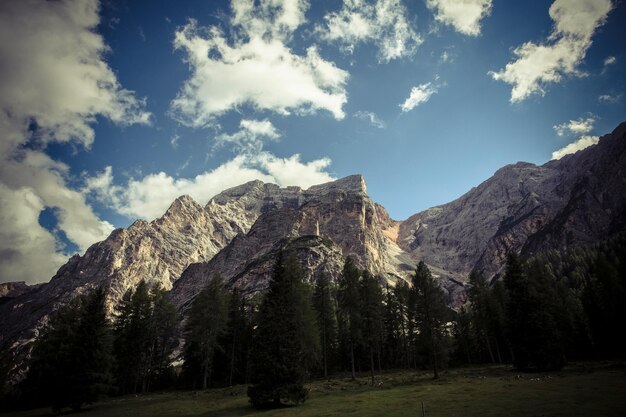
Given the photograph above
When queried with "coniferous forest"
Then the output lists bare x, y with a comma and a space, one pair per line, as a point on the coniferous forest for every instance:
541, 313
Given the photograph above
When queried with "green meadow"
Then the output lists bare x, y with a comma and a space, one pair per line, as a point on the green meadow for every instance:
597, 389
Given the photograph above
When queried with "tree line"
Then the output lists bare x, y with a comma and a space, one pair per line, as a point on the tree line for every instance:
552, 308
546, 310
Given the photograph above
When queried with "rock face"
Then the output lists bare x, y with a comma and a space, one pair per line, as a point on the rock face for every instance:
10, 290
578, 200
330, 222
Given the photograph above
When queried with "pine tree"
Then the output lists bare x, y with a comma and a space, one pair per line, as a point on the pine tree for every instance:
480, 308
431, 314
164, 335
403, 295
349, 301
71, 363
132, 343
324, 305
534, 327
285, 340
206, 323
463, 336
392, 329
372, 316
236, 341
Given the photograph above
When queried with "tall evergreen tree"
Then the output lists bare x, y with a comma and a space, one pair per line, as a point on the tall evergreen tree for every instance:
371, 316
231, 362
478, 294
324, 305
463, 336
164, 335
431, 314
71, 363
349, 301
534, 328
285, 339
132, 343
392, 329
206, 323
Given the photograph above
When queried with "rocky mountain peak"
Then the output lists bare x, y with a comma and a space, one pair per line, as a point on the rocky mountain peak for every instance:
254, 188
349, 184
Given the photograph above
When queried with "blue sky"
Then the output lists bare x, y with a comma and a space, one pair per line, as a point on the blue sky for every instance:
112, 109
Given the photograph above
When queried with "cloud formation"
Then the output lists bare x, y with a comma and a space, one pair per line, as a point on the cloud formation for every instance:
382, 22
537, 65
579, 126
419, 94
150, 196
463, 15
256, 67
250, 136
609, 98
370, 117
582, 143
54, 81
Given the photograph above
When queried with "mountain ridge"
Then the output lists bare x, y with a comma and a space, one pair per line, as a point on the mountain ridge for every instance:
527, 208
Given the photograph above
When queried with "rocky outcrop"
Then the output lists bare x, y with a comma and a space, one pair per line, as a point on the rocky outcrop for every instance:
13, 289
335, 220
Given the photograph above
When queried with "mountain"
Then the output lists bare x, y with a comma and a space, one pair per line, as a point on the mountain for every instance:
574, 201
577, 200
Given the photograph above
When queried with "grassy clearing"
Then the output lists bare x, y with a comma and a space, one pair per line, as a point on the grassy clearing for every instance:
579, 390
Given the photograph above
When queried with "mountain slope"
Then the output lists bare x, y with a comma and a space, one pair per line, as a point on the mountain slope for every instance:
577, 200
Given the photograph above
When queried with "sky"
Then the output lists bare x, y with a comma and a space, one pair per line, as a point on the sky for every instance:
112, 109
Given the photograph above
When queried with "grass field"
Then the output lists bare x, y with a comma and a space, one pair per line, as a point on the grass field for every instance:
597, 389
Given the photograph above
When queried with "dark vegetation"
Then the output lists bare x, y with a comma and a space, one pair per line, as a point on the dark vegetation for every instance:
545, 311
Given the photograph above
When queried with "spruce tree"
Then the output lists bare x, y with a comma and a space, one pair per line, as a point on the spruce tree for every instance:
71, 363
164, 338
231, 361
285, 339
206, 323
534, 327
349, 301
324, 305
478, 294
132, 343
431, 314
371, 316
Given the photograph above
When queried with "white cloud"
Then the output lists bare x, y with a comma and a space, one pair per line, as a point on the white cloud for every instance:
610, 60
383, 22
609, 98
420, 94
580, 144
151, 195
256, 68
446, 57
28, 252
174, 140
579, 126
370, 117
537, 65
53, 83
463, 15
250, 137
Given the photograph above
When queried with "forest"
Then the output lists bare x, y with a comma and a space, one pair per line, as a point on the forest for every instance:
542, 313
